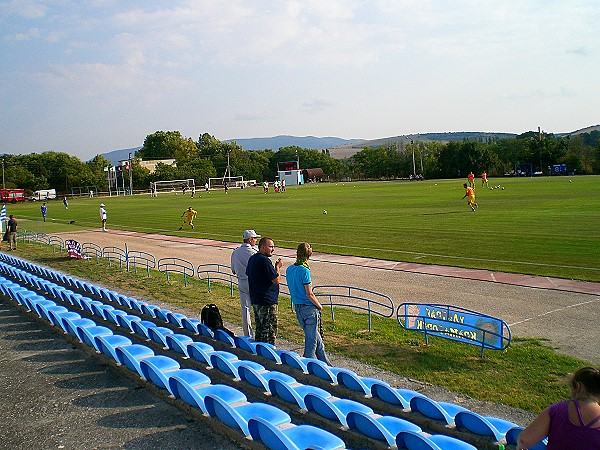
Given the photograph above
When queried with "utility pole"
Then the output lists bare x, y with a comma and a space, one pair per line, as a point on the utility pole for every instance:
413, 155
3, 184
130, 176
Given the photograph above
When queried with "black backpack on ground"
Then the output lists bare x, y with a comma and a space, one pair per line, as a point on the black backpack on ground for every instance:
211, 317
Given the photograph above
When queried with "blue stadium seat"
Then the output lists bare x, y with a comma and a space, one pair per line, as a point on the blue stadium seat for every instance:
58, 318
493, 427
141, 327
203, 330
323, 371
158, 334
293, 359
108, 344
131, 355
88, 335
162, 314
351, 380
73, 324
200, 351
100, 309
111, 315
228, 363
193, 393
293, 437
261, 378
442, 411
245, 343
294, 392
394, 396
224, 337
190, 324
176, 319
513, 434
149, 309
268, 351
418, 441
179, 343
127, 320
333, 408
236, 415
157, 369
381, 428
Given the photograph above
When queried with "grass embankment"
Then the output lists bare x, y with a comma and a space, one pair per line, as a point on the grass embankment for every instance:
541, 226
528, 375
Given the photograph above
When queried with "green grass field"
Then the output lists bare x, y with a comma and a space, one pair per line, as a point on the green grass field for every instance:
544, 226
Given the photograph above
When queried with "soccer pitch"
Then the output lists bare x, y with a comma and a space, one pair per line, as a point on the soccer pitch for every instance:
544, 226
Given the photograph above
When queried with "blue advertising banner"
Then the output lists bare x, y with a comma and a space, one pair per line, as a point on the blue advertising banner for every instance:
455, 323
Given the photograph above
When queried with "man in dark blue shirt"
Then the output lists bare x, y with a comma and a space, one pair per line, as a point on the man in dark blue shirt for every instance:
263, 283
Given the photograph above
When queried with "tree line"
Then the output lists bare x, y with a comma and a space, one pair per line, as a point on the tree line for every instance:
208, 157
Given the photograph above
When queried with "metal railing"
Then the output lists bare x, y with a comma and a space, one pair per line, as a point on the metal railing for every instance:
56, 242
137, 258
356, 298
217, 272
115, 253
176, 265
90, 250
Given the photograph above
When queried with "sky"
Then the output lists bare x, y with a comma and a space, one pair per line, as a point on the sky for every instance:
88, 77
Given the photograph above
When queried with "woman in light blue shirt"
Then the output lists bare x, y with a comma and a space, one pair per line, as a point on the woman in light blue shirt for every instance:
306, 305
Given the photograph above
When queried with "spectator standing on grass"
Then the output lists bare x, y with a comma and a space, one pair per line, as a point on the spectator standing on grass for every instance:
573, 424
44, 210
65, 202
239, 262
11, 228
306, 305
263, 283
103, 216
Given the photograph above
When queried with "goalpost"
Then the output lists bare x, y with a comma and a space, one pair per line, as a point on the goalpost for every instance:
172, 186
232, 182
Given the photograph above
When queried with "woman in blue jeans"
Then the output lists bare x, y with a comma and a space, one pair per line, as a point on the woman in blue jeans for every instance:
306, 305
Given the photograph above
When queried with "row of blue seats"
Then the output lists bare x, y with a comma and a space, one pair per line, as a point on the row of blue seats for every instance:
272, 426
450, 414
347, 412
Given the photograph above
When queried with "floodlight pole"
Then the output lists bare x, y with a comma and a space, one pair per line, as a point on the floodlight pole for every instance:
228, 168
3, 184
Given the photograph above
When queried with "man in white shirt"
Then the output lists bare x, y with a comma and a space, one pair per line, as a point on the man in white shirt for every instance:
239, 260
103, 216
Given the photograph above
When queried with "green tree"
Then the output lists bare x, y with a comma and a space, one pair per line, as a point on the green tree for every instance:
162, 145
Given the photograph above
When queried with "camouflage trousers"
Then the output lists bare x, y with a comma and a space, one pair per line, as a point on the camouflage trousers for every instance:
265, 323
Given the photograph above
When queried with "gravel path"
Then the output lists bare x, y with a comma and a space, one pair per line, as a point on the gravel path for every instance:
567, 320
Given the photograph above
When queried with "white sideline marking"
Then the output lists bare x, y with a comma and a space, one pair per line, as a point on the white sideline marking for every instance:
551, 312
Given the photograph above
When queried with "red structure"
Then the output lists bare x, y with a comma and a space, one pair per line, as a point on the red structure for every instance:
12, 195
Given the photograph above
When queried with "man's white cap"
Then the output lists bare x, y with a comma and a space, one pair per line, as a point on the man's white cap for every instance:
102, 204
250, 234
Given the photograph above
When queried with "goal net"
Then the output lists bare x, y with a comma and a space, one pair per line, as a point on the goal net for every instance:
175, 186
232, 182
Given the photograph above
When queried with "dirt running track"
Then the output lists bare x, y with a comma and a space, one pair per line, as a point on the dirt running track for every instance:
563, 312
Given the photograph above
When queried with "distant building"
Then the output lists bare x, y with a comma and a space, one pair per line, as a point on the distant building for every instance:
312, 175
289, 171
151, 164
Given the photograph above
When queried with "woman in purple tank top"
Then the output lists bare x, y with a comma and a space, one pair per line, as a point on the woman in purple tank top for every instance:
572, 424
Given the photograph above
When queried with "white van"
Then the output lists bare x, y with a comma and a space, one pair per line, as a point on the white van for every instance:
43, 195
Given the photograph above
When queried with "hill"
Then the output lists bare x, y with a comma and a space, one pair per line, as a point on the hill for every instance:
277, 142
347, 150
120, 155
